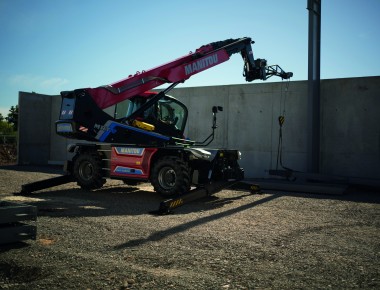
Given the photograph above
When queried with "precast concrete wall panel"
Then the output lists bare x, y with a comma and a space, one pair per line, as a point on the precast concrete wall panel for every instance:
250, 126
249, 121
34, 128
58, 147
350, 125
200, 101
292, 104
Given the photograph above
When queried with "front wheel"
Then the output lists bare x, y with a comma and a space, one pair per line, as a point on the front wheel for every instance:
88, 170
170, 176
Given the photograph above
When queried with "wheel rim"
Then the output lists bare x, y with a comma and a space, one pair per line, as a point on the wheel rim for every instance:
86, 170
167, 177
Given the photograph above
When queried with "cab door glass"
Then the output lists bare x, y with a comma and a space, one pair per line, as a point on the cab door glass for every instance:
172, 113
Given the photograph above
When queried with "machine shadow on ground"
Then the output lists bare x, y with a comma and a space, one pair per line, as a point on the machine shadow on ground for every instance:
76, 202
135, 200
160, 235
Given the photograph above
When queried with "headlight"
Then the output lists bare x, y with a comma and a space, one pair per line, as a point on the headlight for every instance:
239, 155
198, 153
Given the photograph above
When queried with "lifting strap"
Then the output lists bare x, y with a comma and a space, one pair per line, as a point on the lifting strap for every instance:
281, 121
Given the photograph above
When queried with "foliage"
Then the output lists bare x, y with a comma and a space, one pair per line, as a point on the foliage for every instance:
6, 128
8, 125
12, 117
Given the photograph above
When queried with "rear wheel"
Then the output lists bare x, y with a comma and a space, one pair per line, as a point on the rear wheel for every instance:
88, 170
170, 176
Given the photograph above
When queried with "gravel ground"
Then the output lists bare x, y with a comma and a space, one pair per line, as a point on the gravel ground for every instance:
106, 239
8, 154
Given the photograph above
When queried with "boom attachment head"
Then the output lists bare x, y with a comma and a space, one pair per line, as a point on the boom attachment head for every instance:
257, 68
254, 69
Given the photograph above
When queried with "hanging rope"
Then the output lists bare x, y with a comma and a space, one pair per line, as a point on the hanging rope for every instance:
281, 121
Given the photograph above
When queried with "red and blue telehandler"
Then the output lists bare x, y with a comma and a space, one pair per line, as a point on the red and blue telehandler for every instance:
144, 140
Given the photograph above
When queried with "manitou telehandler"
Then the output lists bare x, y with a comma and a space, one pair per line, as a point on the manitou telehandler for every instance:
144, 140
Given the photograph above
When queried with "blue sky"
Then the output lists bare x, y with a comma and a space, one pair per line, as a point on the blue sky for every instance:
48, 46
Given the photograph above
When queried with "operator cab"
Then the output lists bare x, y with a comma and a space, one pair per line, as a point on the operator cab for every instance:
167, 116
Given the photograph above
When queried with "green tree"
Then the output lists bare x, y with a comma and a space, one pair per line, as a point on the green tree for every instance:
1, 118
13, 117
6, 128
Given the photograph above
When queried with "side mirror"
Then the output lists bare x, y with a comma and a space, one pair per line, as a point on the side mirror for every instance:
210, 138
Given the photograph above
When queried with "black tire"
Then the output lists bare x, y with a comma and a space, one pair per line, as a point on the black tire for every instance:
88, 170
170, 176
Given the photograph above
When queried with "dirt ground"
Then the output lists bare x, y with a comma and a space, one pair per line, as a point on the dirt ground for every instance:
107, 239
8, 154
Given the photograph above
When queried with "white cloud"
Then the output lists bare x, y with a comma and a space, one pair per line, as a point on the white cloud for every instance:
37, 83
24, 80
53, 82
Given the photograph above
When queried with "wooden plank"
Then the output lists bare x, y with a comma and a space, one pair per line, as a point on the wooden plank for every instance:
13, 212
46, 183
16, 233
320, 188
324, 178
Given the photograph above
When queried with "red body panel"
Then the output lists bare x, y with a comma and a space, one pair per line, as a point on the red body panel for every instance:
131, 162
178, 70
